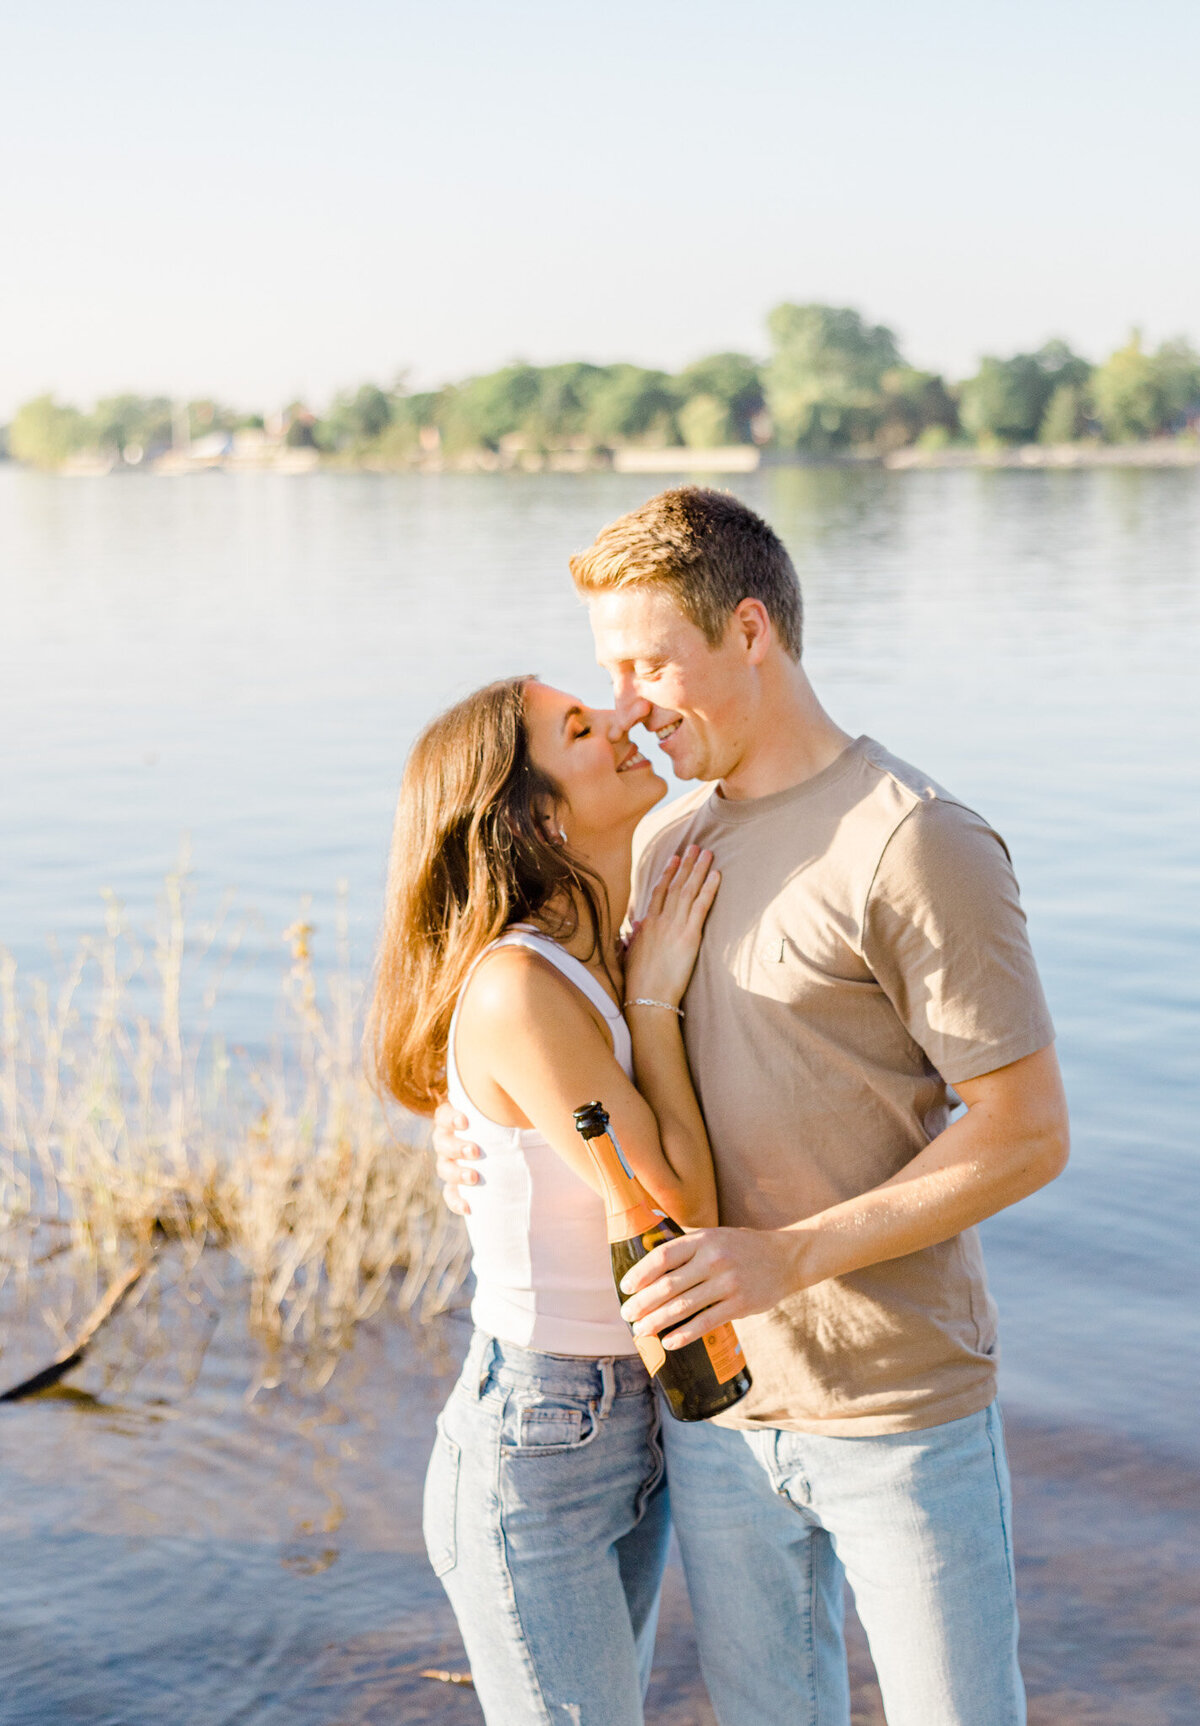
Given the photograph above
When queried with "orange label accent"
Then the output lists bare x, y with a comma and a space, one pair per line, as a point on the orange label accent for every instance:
725, 1352
652, 1352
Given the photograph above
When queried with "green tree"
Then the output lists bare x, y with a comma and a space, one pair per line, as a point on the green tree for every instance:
355, 419
631, 405
559, 418
400, 441
45, 433
824, 379
1139, 395
704, 423
421, 409
720, 396
479, 412
395, 446
1006, 399
122, 422
1062, 365
1063, 420
1127, 393
913, 405
1177, 367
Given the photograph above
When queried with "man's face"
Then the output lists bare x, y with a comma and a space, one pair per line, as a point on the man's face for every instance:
666, 677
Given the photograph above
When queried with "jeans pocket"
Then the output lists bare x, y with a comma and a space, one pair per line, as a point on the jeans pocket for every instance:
546, 1426
439, 1520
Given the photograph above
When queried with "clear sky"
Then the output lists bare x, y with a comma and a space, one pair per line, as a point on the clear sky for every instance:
259, 199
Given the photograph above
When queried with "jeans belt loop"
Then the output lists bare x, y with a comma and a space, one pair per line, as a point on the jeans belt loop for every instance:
487, 1356
608, 1386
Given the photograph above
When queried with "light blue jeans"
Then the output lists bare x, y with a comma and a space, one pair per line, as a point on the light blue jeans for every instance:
546, 1518
771, 1524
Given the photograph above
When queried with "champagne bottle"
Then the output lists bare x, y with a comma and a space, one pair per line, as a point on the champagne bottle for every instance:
706, 1376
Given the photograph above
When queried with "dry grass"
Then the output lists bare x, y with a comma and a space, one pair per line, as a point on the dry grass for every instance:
123, 1135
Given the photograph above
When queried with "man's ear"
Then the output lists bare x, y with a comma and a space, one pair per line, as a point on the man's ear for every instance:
755, 631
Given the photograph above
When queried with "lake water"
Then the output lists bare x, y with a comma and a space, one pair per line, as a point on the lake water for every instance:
243, 660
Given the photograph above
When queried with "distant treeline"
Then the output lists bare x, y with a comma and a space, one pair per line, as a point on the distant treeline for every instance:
831, 383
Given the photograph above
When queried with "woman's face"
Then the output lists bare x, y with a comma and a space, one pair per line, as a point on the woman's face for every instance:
607, 783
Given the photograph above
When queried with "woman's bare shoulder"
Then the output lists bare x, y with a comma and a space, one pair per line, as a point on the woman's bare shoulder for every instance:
512, 990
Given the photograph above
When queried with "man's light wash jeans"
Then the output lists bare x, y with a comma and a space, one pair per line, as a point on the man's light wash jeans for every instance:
546, 1518
771, 1523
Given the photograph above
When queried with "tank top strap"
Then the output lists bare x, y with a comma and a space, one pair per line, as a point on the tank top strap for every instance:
575, 971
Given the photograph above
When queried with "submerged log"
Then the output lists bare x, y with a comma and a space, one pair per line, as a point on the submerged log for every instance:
70, 1356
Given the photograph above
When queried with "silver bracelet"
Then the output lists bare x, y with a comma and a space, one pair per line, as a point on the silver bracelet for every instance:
644, 1001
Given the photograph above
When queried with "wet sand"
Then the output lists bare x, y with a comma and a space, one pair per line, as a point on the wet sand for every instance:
1108, 1573
176, 1551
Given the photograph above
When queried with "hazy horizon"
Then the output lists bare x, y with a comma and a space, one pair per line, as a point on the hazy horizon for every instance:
284, 202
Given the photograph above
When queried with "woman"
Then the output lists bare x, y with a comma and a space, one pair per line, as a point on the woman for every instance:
501, 981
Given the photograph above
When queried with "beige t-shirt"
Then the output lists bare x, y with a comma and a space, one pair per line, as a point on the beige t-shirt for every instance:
867, 948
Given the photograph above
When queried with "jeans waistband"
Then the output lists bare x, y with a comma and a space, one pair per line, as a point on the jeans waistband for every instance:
600, 1377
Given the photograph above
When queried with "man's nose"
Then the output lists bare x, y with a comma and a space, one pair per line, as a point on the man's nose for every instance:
609, 721
629, 708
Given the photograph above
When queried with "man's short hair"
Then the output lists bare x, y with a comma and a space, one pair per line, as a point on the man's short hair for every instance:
705, 549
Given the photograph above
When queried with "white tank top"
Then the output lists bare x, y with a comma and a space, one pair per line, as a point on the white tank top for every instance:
543, 1276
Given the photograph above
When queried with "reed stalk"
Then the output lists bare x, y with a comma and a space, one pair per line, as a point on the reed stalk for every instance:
124, 1135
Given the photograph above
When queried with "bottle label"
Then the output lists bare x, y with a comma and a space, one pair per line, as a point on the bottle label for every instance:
653, 1353
725, 1352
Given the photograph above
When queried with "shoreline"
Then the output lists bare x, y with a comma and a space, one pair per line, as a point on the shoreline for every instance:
1159, 453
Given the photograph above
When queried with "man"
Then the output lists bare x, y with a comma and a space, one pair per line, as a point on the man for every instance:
866, 951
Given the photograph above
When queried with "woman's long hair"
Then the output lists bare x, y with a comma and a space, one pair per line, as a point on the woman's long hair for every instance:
470, 856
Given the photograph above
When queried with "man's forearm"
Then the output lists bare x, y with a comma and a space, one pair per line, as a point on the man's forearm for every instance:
959, 1179
1012, 1140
